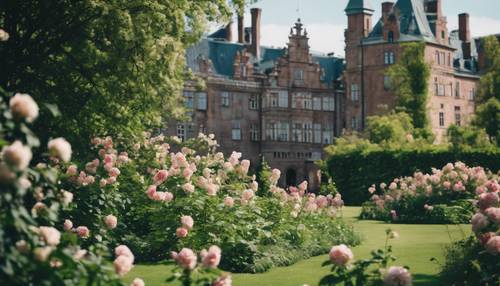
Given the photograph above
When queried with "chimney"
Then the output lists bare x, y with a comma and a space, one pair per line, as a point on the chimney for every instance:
229, 32
463, 27
241, 29
386, 8
464, 34
255, 45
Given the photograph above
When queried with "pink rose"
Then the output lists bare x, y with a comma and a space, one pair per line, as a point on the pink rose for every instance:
187, 259
22, 106
397, 276
114, 172
340, 255
72, 170
168, 197
224, 280
479, 221
493, 214
487, 200
111, 221
50, 235
123, 250
493, 245
111, 180
68, 225
181, 232
137, 282
187, 221
187, 173
123, 265
211, 258
247, 195
245, 165
160, 177
188, 188
83, 231
229, 202
17, 155
60, 148
151, 191
447, 185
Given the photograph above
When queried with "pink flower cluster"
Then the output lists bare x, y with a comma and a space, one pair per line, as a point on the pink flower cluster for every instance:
124, 260
486, 222
188, 260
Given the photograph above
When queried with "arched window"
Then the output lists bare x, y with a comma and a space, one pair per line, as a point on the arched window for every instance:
390, 37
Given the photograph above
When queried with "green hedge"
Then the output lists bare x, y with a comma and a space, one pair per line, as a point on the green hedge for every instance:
354, 171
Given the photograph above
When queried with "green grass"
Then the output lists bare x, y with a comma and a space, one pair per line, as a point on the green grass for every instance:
415, 247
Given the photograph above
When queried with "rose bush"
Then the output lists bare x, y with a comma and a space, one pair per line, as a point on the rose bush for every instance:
445, 196
171, 197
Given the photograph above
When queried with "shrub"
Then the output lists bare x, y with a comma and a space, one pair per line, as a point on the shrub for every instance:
475, 260
354, 167
445, 196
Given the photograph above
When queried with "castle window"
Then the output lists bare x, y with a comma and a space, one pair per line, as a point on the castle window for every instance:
317, 133
317, 102
441, 119
442, 35
387, 82
458, 116
181, 131
449, 59
189, 99
283, 99
297, 135
243, 68
390, 37
298, 74
308, 132
225, 98
438, 60
441, 90
253, 102
472, 94
327, 133
354, 123
457, 89
328, 103
202, 100
273, 99
354, 92
236, 130
254, 132
283, 131
388, 58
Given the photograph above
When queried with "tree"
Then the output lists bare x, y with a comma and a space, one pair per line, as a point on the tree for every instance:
263, 173
467, 136
112, 67
488, 117
393, 127
489, 84
409, 80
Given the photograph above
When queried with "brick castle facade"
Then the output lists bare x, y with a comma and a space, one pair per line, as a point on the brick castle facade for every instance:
287, 104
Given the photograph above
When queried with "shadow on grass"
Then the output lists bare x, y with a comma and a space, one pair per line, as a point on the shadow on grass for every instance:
425, 279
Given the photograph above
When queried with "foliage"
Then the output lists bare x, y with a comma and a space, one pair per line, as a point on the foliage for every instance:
372, 271
114, 67
389, 128
445, 196
355, 164
33, 248
488, 117
474, 260
489, 84
467, 137
263, 173
409, 80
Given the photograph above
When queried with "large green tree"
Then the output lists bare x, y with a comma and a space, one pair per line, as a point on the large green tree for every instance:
488, 100
112, 66
409, 81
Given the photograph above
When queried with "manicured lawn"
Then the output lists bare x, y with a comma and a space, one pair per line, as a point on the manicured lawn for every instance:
414, 248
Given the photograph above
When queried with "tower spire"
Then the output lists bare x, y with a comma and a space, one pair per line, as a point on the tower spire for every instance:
359, 7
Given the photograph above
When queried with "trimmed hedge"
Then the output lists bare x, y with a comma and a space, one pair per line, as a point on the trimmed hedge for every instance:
355, 171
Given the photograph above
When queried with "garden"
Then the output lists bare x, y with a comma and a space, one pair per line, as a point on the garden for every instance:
93, 193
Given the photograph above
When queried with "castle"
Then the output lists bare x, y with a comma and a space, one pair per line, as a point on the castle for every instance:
287, 104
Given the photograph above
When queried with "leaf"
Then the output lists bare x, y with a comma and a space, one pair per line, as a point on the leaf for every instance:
53, 109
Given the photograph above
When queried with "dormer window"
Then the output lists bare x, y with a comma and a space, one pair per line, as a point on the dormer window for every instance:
298, 74
390, 37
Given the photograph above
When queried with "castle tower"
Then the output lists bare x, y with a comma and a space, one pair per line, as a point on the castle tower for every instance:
359, 24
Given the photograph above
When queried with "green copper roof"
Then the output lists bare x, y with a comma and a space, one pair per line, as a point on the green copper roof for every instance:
359, 6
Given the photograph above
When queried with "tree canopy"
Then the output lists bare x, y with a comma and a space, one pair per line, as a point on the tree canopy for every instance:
112, 67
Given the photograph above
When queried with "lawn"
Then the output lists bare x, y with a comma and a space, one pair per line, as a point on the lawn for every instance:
415, 247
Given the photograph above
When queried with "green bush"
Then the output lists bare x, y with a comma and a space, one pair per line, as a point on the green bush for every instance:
354, 168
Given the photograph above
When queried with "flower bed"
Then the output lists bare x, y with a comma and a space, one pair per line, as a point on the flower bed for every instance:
445, 196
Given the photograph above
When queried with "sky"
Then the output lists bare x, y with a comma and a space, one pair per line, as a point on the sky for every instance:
325, 20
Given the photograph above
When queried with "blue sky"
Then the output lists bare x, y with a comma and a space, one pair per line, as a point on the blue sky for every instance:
325, 20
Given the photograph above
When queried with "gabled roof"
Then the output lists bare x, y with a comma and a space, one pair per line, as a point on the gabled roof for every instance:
359, 6
413, 23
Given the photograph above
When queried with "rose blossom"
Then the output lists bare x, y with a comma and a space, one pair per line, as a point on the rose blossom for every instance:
187, 259
487, 200
187, 221
137, 282
340, 255
111, 221
17, 155
4, 36
247, 195
493, 245
68, 225
188, 188
245, 165
160, 177
60, 148
50, 235
275, 176
229, 202
397, 276
181, 232
43, 253
493, 214
72, 170
211, 258
479, 221
123, 250
224, 280
123, 264
23, 106
83, 231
